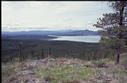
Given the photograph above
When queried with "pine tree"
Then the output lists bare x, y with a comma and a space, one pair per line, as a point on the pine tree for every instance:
20, 52
114, 27
42, 53
49, 52
32, 53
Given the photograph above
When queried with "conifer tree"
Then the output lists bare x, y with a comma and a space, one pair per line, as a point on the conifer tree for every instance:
113, 27
20, 52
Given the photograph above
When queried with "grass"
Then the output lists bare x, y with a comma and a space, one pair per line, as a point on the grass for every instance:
10, 69
121, 75
123, 60
119, 71
64, 70
64, 73
7, 70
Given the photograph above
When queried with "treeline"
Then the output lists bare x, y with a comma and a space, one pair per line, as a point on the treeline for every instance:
38, 49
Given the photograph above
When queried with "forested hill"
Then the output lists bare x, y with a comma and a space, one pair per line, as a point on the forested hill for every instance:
58, 33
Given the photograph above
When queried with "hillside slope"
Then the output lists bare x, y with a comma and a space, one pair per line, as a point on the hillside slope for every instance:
62, 70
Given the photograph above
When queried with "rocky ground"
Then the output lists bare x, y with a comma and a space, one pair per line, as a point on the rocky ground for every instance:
62, 70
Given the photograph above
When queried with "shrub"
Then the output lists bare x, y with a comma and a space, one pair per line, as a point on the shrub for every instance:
89, 64
99, 63
48, 78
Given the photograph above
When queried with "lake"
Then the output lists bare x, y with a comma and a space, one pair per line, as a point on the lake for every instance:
91, 39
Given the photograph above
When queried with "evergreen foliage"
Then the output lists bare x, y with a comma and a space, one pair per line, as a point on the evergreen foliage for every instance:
114, 27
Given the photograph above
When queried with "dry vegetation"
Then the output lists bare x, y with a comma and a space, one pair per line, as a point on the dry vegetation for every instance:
63, 70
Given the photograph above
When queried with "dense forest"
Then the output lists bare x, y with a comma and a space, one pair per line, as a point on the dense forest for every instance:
36, 48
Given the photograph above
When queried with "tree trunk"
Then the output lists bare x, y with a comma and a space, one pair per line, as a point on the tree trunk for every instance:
20, 55
118, 56
119, 35
121, 16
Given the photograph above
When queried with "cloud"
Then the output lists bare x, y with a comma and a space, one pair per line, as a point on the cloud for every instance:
54, 15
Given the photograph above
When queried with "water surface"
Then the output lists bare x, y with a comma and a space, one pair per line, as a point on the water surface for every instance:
91, 39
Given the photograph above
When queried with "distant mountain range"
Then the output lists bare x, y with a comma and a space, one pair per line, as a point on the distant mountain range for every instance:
58, 33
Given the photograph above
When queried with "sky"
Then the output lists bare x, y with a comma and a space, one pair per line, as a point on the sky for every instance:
52, 15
